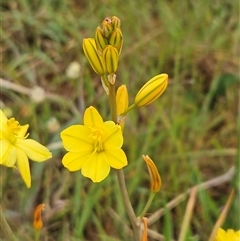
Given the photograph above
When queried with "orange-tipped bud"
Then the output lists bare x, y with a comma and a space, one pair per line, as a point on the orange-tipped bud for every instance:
37, 220
152, 90
156, 182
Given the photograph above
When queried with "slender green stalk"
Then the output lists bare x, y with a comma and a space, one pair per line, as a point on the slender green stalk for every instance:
128, 205
37, 235
6, 228
120, 174
147, 204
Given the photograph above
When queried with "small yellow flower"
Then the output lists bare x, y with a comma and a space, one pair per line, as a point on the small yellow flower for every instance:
15, 147
154, 174
229, 235
37, 220
93, 147
152, 90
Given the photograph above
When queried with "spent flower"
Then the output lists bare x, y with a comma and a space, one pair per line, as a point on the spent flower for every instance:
16, 148
93, 147
154, 174
37, 219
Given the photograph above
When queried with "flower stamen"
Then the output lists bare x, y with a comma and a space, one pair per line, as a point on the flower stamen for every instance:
97, 136
13, 130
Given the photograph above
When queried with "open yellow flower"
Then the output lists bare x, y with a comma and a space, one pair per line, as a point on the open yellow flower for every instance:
229, 235
15, 147
93, 147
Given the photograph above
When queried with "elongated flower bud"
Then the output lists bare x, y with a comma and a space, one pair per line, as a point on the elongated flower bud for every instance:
154, 174
37, 220
116, 39
95, 60
100, 40
110, 59
122, 102
151, 90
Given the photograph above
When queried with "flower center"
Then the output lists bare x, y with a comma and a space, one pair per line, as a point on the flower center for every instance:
13, 128
97, 136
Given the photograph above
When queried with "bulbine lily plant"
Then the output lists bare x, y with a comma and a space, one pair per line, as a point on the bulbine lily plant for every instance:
96, 146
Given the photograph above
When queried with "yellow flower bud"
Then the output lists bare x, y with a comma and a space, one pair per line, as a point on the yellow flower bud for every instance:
151, 90
37, 220
110, 59
116, 39
100, 41
107, 27
156, 182
122, 102
95, 60
116, 22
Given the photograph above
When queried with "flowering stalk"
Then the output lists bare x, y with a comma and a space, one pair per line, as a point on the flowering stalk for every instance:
120, 174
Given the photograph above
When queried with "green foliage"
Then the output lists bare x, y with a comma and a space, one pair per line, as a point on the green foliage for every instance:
190, 132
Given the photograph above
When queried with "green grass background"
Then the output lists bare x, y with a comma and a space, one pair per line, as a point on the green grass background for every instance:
190, 132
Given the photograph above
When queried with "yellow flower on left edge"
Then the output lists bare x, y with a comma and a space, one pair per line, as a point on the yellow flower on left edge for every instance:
93, 147
16, 148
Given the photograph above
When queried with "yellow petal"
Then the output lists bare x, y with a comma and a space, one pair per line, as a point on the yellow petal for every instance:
96, 167
116, 159
23, 130
3, 118
3, 122
8, 154
114, 139
74, 161
34, 150
76, 138
92, 117
23, 166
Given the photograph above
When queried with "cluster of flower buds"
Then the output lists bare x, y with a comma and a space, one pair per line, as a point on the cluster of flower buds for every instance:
104, 49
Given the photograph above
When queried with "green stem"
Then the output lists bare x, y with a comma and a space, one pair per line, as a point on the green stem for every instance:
120, 174
128, 205
37, 235
112, 102
6, 228
128, 109
147, 205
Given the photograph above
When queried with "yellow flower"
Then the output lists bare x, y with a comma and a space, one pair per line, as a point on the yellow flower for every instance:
229, 235
15, 147
93, 147
151, 90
